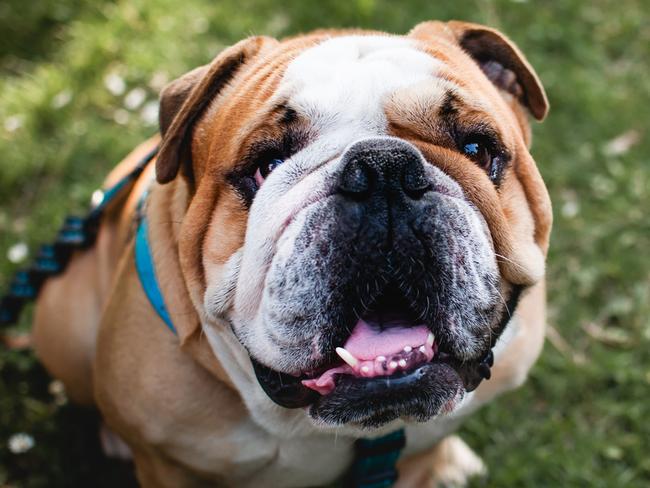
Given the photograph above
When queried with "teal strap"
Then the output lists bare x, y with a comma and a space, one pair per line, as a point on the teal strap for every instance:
147, 273
375, 460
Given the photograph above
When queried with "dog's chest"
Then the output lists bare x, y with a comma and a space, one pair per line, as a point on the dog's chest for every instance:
250, 457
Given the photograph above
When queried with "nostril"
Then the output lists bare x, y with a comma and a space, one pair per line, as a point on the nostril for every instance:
414, 181
356, 180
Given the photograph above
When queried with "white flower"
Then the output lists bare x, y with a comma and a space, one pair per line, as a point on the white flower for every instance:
149, 113
61, 99
18, 253
121, 116
13, 123
570, 209
134, 98
57, 390
622, 144
20, 443
158, 80
114, 83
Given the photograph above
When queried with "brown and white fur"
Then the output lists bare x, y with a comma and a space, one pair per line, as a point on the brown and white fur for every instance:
189, 406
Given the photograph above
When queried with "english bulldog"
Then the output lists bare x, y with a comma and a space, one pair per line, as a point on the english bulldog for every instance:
348, 230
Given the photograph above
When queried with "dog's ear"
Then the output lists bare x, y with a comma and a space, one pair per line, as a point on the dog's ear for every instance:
499, 58
184, 100
174, 95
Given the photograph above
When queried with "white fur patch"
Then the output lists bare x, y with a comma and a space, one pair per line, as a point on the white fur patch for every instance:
345, 81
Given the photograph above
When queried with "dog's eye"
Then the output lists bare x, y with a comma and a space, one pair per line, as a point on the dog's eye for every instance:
485, 152
479, 152
265, 168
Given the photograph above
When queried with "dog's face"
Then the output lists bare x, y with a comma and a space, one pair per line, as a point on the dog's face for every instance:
364, 211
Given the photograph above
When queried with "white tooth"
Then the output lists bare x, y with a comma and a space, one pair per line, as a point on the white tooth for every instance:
346, 356
381, 359
365, 369
423, 349
393, 364
430, 339
408, 348
402, 363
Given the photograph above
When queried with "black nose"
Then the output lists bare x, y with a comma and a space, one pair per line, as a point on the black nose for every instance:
390, 167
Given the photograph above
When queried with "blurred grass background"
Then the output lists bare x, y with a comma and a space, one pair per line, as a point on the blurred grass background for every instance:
78, 88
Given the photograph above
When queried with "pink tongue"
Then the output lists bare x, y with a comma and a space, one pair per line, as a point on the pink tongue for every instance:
368, 342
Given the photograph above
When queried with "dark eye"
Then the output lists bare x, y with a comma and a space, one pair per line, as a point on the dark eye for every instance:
265, 168
485, 152
479, 152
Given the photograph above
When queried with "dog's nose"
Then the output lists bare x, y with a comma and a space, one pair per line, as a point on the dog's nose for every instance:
383, 166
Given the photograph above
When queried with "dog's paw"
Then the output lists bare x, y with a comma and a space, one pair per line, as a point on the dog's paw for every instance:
450, 463
455, 463
113, 445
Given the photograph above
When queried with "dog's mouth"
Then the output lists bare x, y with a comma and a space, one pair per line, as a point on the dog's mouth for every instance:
390, 366
377, 348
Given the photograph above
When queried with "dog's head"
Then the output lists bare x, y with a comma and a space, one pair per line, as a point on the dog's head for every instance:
364, 211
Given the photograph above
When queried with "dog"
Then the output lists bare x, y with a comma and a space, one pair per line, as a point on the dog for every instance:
347, 229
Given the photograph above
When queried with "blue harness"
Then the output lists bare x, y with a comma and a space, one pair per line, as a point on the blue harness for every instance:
147, 273
375, 459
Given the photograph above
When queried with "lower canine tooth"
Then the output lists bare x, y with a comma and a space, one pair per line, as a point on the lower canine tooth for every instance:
346, 356
431, 339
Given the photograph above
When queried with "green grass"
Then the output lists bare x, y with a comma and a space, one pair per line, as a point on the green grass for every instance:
581, 420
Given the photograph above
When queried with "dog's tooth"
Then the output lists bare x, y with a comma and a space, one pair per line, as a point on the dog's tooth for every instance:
408, 348
365, 369
393, 364
346, 356
431, 339
423, 349
402, 363
381, 359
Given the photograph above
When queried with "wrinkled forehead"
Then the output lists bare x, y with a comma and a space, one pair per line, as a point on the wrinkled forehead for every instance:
349, 76
352, 78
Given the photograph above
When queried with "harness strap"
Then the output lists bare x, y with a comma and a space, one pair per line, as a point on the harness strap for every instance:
147, 273
77, 233
375, 460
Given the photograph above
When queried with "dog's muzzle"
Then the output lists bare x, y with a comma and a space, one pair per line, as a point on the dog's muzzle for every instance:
387, 304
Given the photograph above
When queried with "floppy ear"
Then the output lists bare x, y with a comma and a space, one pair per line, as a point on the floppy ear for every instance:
174, 95
499, 58
183, 101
